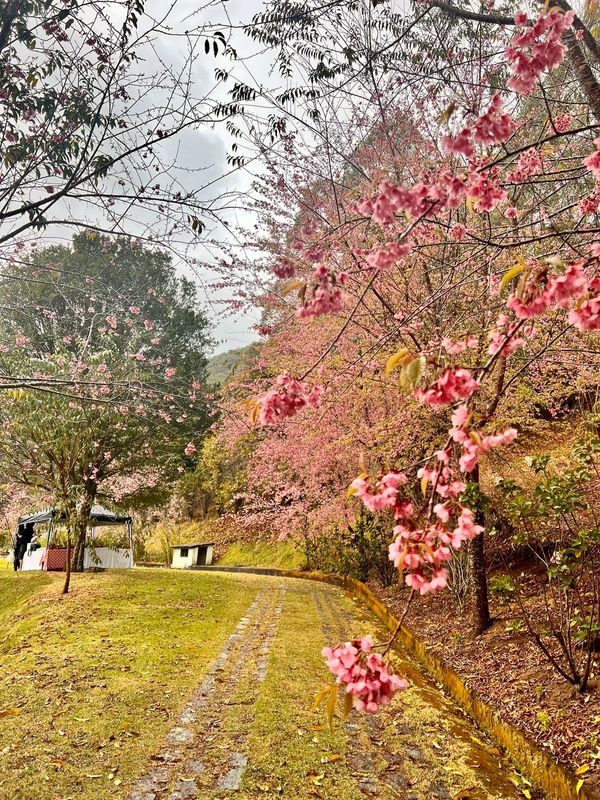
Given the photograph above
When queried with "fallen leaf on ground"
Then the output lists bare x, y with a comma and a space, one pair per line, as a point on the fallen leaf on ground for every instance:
10, 712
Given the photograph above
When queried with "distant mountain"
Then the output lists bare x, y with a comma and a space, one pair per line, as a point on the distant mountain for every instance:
222, 366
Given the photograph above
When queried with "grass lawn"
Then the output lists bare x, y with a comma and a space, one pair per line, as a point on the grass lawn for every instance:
92, 685
89, 683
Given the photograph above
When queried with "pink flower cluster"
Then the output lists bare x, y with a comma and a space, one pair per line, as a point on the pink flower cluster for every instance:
326, 296
392, 199
286, 399
387, 255
475, 444
452, 385
385, 495
538, 48
539, 294
423, 551
442, 478
363, 674
530, 163
457, 232
591, 203
453, 348
484, 189
562, 123
502, 339
284, 269
586, 314
492, 127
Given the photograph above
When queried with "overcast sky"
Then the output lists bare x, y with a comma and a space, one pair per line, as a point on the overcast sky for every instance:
199, 154
211, 146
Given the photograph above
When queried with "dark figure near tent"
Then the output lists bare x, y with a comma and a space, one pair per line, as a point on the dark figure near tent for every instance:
23, 537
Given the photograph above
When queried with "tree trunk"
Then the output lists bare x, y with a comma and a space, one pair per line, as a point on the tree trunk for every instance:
480, 611
78, 525
79, 549
585, 76
478, 588
67, 566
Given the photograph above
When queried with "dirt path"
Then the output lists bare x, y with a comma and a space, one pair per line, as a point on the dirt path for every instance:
224, 743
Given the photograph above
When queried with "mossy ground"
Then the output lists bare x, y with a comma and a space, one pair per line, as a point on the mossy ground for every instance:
278, 555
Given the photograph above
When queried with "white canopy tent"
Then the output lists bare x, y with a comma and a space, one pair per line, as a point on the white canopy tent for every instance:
52, 558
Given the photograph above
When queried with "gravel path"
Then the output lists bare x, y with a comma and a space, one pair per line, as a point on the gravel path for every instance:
421, 748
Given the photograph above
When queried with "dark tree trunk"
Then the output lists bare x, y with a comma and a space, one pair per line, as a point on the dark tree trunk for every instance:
478, 587
67, 566
78, 528
11, 11
480, 611
79, 548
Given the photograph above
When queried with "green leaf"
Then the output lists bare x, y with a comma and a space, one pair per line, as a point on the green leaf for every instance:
412, 373
319, 697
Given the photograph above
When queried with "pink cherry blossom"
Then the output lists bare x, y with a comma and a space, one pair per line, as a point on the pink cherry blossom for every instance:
501, 339
457, 232
190, 449
492, 127
363, 674
562, 123
537, 49
453, 348
586, 314
385, 494
286, 399
452, 385
284, 269
563, 289
326, 296
531, 162
484, 189
387, 255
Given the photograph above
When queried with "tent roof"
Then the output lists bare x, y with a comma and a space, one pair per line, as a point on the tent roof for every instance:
191, 544
98, 516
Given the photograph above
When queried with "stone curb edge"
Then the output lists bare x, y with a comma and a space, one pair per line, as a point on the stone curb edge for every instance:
556, 781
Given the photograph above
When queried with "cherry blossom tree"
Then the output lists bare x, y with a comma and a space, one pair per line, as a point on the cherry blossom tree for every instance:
103, 377
434, 208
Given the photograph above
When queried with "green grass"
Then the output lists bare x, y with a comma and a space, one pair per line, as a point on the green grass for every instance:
90, 683
291, 750
279, 555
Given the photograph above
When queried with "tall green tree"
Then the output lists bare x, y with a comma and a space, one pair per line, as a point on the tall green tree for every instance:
117, 343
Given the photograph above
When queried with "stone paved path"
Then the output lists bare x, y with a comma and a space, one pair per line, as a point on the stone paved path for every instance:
421, 748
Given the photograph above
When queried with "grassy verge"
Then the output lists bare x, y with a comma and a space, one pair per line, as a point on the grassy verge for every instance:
292, 753
90, 683
280, 555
